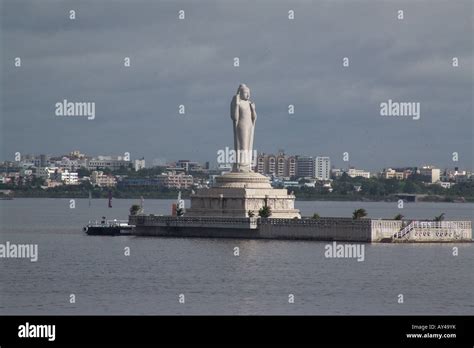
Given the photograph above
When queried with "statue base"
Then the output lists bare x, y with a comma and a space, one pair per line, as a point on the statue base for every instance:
235, 194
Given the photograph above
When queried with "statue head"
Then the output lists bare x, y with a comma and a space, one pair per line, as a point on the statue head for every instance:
244, 92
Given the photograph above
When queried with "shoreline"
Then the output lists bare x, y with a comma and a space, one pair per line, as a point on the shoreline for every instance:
328, 199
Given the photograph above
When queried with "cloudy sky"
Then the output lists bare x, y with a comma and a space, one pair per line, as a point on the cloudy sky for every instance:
283, 61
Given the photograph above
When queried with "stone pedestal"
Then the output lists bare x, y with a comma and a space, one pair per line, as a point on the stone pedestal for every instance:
235, 193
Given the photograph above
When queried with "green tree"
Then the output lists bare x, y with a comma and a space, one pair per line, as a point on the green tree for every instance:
359, 214
440, 217
265, 212
398, 217
410, 187
135, 209
316, 216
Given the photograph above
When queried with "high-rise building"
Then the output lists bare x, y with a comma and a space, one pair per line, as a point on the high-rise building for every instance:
323, 168
305, 167
43, 161
280, 165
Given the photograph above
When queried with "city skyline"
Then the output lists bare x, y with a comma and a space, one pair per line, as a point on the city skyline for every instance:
336, 108
87, 160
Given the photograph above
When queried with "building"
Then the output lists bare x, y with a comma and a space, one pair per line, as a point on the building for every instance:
354, 173
109, 162
51, 183
451, 174
44, 161
139, 164
188, 166
336, 172
69, 164
169, 180
175, 180
77, 154
389, 173
305, 167
323, 168
431, 172
100, 179
69, 178
224, 168
47, 172
129, 182
287, 184
446, 184
280, 165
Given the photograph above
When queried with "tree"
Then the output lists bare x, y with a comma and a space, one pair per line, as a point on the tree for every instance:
82, 172
265, 212
410, 187
37, 181
358, 214
316, 216
135, 209
439, 218
250, 213
398, 217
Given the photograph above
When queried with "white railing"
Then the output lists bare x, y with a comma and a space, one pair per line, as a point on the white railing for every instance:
407, 229
433, 225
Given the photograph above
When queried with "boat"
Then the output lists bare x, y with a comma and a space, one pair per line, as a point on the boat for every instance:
106, 227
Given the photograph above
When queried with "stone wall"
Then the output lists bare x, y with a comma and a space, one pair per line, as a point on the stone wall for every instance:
322, 229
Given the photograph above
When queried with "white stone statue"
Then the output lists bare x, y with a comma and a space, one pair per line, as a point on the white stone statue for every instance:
243, 115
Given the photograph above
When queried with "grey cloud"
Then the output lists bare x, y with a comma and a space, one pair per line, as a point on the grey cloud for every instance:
284, 62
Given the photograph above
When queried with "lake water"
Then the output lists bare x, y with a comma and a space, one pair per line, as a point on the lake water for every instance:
212, 279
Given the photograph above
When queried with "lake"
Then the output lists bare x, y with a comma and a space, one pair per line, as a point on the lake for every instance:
260, 280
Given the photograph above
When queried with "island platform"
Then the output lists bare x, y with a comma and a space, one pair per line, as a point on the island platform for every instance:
322, 229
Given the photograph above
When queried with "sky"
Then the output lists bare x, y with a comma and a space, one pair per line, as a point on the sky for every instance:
190, 62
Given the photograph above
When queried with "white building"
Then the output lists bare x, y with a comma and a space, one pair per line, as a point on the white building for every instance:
69, 178
175, 180
446, 184
390, 173
323, 168
139, 164
353, 173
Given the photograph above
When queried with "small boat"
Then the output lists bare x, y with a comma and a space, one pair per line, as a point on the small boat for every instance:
108, 228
